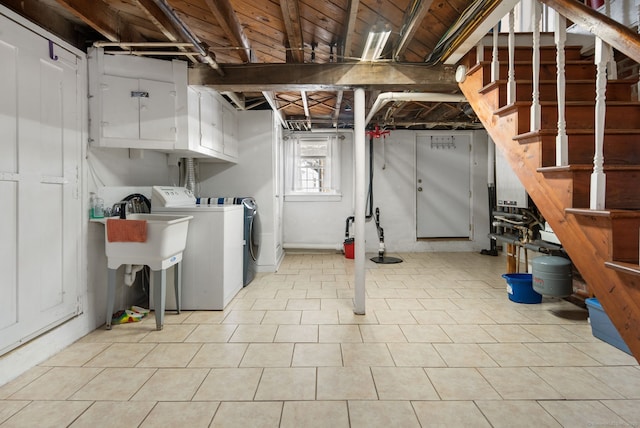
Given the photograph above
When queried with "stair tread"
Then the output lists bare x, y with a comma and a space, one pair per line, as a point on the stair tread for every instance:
587, 167
573, 131
625, 267
518, 104
612, 213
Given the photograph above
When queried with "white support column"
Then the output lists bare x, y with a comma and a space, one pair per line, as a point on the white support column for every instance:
511, 82
495, 63
560, 36
534, 124
360, 200
598, 178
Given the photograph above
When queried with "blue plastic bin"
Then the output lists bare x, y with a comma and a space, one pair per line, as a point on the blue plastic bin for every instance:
602, 327
520, 288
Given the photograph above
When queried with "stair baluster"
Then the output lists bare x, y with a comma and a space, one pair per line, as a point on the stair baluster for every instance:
535, 95
511, 82
495, 63
598, 177
560, 38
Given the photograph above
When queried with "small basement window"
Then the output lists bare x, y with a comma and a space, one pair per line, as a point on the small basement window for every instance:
312, 167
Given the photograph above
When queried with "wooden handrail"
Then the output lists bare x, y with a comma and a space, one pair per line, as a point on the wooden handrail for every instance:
615, 34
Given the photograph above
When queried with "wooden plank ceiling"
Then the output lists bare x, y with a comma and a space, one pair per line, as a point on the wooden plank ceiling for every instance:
293, 53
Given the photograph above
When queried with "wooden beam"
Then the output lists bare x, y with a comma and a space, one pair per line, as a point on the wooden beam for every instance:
349, 30
291, 17
328, 77
99, 16
230, 24
615, 34
412, 20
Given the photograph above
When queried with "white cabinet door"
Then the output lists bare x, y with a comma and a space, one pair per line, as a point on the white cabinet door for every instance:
120, 111
40, 109
210, 121
230, 130
157, 110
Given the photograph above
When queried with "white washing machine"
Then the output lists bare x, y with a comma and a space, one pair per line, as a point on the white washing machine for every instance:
212, 262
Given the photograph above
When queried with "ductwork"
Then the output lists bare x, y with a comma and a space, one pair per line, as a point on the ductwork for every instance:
387, 97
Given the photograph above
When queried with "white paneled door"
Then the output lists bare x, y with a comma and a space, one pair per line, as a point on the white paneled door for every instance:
443, 186
40, 152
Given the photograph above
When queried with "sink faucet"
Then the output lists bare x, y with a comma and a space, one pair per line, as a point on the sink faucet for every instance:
121, 208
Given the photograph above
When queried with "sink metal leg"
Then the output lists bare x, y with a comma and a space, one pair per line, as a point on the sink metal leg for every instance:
111, 294
159, 295
177, 281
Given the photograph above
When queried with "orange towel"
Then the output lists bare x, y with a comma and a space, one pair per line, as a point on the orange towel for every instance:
126, 230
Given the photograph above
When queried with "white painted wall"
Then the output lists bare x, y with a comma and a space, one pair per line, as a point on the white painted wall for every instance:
323, 223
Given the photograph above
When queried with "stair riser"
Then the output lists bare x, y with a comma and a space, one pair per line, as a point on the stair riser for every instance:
618, 91
581, 117
522, 53
618, 149
622, 190
524, 71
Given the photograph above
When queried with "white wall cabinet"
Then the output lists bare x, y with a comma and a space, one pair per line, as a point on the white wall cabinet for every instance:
230, 130
137, 102
138, 109
145, 103
40, 167
213, 127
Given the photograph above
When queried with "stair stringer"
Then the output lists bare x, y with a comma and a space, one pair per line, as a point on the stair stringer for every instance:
618, 293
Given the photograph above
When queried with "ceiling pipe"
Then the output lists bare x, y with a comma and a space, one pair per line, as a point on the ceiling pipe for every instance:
188, 35
387, 97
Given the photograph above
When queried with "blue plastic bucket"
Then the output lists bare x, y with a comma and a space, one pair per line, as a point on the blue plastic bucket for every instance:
520, 288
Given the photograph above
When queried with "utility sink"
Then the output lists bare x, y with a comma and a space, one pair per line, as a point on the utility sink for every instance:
166, 240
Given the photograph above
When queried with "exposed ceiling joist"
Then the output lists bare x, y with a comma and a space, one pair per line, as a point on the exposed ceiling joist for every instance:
103, 19
349, 29
412, 20
291, 16
328, 76
230, 24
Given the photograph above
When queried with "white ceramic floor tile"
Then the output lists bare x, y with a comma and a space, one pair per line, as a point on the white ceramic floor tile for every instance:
248, 414
187, 414
582, 413
317, 355
461, 384
382, 414
315, 414
450, 414
439, 332
345, 383
509, 414
298, 383
229, 385
47, 414
118, 413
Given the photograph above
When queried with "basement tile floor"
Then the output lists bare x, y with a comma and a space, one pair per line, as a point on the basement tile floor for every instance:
440, 345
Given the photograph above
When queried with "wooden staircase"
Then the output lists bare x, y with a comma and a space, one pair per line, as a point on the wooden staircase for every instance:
603, 245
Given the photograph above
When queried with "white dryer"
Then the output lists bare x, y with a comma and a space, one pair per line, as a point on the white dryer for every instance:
212, 262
